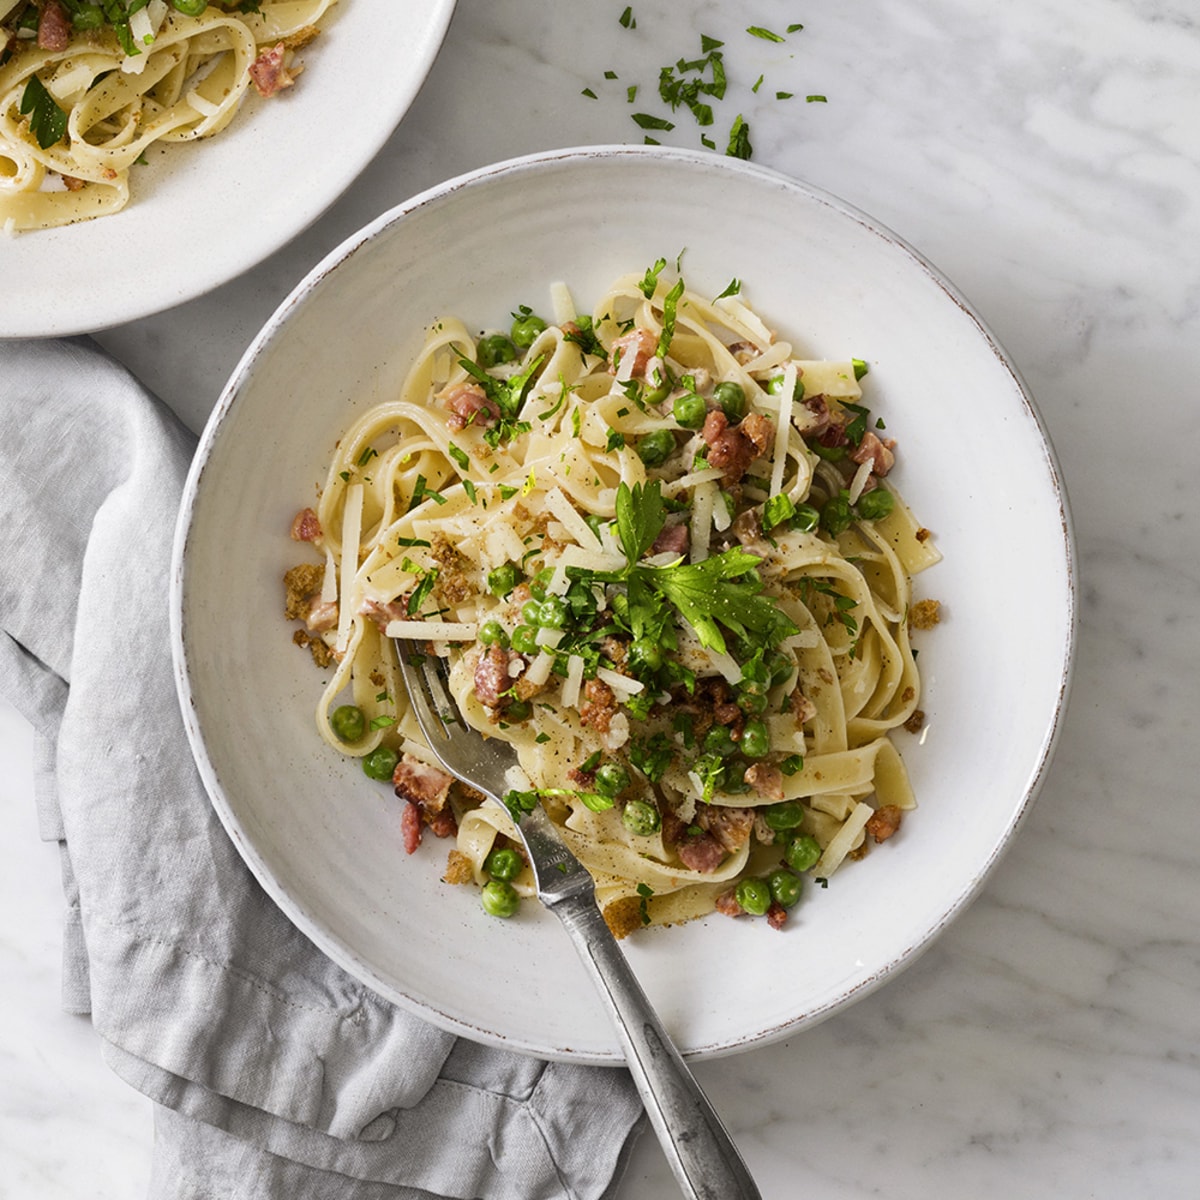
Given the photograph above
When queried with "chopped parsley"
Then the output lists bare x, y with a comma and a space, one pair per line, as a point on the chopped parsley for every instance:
47, 122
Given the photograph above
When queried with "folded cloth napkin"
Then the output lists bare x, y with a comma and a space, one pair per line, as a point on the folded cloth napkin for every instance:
275, 1074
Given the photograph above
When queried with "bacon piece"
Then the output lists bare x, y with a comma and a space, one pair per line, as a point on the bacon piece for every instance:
776, 915
322, 617
726, 904
306, 526
641, 344
743, 351
268, 73
469, 404
766, 779
410, 827
671, 539
420, 784
814, 415
441, 824
54, 27
491, 677
730, 826
703, 854
599, 705
884, 822
875, 451
732, 448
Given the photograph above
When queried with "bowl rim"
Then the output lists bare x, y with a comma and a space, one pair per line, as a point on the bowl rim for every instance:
342, 954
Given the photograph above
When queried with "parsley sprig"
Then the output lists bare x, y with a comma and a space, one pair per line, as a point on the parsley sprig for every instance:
508, 395
721, 593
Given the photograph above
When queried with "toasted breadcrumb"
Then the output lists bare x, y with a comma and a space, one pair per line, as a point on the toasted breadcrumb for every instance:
458, 868
925, 614
624, 916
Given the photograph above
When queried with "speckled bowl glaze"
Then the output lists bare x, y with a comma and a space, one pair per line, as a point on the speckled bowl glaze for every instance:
974, 463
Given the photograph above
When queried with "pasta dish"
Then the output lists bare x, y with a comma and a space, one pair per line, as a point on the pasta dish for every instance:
87, 87
660, 556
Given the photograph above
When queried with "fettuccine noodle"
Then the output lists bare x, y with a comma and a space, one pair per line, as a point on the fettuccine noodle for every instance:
659, 554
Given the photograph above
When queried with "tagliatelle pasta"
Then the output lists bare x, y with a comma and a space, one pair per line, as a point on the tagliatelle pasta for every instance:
660, 556
87, 88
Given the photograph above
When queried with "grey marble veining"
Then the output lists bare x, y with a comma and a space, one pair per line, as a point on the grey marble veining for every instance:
1045, 155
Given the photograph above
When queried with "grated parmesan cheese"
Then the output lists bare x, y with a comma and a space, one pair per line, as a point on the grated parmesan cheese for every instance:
351, 535
570, 690
540, 668
619, 682
433, 631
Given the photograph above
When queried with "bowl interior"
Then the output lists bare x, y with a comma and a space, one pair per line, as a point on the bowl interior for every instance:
973, 463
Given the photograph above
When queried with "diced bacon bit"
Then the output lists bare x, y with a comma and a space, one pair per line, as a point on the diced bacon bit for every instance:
776, 915
641, 343
322, 617
923, 534
73, 184
599, 705
726, 904
731, 449
884, 822
421, 784
382, 614
730, 826
306, 526
410, 827
877, 452
672, 539
916, 722
814, 417
54, 27
766, 779
925, 614
698, 850
441, 824
616, 650
584, 780
491, 677
268, 72
712, 703
747, 527
469, 404
803, 709
743, 352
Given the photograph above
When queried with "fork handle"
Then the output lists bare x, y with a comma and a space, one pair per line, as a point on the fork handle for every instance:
699, 1150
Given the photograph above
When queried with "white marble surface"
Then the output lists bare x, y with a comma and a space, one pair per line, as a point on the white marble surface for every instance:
1045, 154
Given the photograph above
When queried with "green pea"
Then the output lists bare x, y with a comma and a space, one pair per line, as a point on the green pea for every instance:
656, 447
802, 852
348, 722
611, 779
785, 887
380, 763
525, 328
524, 639
752, 701
805, 518
503, 864
754, 896
756, 739
595, 522
782, 816
875, 504
531, 611
553, 613
503, 579
494, 349
190, 8
689, 410
499, 898
517, 711
836, 515
645, 654
641, 818
491, 633
731, 398
718, 740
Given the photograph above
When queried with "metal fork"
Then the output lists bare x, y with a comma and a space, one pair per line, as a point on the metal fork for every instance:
699, 1149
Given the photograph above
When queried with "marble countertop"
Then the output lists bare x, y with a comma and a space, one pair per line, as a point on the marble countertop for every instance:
1045, 154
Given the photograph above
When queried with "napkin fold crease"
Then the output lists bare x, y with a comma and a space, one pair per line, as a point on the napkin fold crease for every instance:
274, 1072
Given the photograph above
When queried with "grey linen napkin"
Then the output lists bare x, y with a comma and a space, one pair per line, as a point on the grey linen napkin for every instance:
275, 1074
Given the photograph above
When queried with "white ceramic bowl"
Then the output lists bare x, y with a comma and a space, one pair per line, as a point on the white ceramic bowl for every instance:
202, 214
974, 463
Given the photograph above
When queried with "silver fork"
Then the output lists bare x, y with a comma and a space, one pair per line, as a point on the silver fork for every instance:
699, 1149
